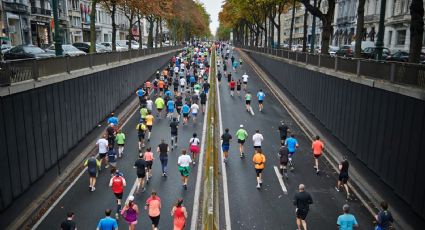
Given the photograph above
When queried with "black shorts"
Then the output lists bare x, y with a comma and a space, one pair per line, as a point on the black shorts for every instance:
241, 141
283, 162
149, 164
149, 128
245, 82
248, 102
258, 171
102, 155
155, 220
257, 146
141, 175
161, 89
260, 101
141, 136
301, 213
92, 173
232, 89
343, 178
121, 145
118, 195
203, 102
282, 138
185, 114
317, 156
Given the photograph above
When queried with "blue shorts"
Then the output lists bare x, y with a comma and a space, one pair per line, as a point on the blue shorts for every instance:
206, 91
291, 153
170, 110
194, 114
225, 147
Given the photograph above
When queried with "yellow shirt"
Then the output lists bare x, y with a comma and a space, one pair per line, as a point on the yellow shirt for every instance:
149, 120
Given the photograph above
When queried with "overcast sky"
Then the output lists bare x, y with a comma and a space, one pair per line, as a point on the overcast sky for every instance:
213, 8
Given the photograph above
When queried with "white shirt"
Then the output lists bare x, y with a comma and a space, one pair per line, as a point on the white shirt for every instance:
257, 139
202, 72
182, 82
103, 145
184, 160
182, 66
176, 69
194, 108
149, 104
194, 141
245, 78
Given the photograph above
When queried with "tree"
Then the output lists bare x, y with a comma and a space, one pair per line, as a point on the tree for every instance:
292, 24
416, 30
111, 7
92, 26
359, 29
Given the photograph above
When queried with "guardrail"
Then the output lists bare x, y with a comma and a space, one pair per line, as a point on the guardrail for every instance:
32, 69
395, 72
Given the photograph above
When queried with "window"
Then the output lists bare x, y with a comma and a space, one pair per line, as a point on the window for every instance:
401, 37
390, 36
394, 7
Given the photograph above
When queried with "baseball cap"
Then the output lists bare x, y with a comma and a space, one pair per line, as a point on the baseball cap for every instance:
241, 126
131, 198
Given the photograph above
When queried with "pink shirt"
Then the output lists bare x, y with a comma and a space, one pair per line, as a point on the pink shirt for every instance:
154, 205
148, 156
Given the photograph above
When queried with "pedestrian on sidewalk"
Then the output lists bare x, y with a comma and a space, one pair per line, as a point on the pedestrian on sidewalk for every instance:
102, 145
153, 205
317, 148
283, 160
194, 147
117, 183
183, 162
179, 214
292, 144
260, 96
343, 176
257, 139
384, 219
148, 157
241, 134
302, 202
346, 221
120, 139
163, 150
140, 165
248, 97
259, 160
130, 212
225, 145
69, 223
107, 223
93, 166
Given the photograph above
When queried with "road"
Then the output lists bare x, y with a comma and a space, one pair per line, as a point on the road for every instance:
270, 207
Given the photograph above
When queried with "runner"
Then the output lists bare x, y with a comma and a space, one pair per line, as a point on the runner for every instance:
194, 147
225, 145
144, 112
283, 160
140, 93
343, 176
185, 111
140, 165
117, 183
69, 223
102, 145
245, 80
292, 145
241, 134
179, 215
317, 147
283, 132
112, 158
174, 125
346, 221
107, 223
161, 85
260, 97
170, 109
219, 76
148, 157
155, 86
148, 87
248, 101
92, 165
257, 139
149, 123
238, 87
229, 77
384, 219
194, 109
232, 85
240, 62
203, 97
197, 88
149, 104
163, 150
159, 104
130, 212
110, 131
120, 139
113, 119
182, 85
206, 86
259, 160
141, 130
184, 167
302, 201
179, 104
153, 204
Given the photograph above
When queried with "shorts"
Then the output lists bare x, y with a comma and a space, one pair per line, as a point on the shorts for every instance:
141, 136
141, 175
102, 155
203, 102
282, 138
206, 91
184, 171
225, 147
290, 154
245, 82
241, 141
260, 101
257, 146
185, 115
118, 195
149, 164
120, 145
170, 110
258, 171
159, 110
132, 222
283, 162
232, 89
301, 213
92, 173
194, 149
343, 177
113, 164
161, 89
155, 220
317, 156
149, 128
194, 114
248, 102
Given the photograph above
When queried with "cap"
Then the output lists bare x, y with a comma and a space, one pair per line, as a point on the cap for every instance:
241, 126
131, 198
282, 122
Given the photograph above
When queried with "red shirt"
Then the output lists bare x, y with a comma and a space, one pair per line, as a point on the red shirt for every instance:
117, 184
232, 84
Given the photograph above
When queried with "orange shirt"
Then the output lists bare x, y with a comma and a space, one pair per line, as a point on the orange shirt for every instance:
161, 84
259, 160
317, 147
148, 156
149, 119
154, 204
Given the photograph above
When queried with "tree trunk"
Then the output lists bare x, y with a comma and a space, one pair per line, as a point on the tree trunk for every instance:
292, 24
160, 32
130, 33
279, 28
265, 31
326, 32
150, 34
359, 29
271, 28
114, 25
139, 24
246, 35
416, 30
305, 31
156, 32
93, 27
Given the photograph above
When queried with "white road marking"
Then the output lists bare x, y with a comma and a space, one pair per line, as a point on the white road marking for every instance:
223, 168
279, 178
251, 110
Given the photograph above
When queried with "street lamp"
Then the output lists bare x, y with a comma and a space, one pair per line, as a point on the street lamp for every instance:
57, 38
380, 39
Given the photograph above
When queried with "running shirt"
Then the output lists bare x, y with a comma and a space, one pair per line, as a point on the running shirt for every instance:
140, 165
245, 78
259, 160
143, 113
317, 147
149, 104
182, 82
174, 127
292, 144
154, 204
103, 145
163, 150
226, 137
161, 84
159, 103
170, 105
185, 108
168, 93
283, 130
92, 164
241, 134
194, 108
148, 156
140, 92
113, 120
107, 223
184, 160
248, 96
120, 138
112, 156
194, 141
346, 221
257, 139
302, 200
117, 183
197, 87
203, 97
232, 84
261, 95
149, 119
141, 128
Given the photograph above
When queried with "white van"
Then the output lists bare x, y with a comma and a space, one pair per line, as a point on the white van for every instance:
365, 44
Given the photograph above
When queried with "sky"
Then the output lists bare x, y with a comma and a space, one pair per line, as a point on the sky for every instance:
213, 8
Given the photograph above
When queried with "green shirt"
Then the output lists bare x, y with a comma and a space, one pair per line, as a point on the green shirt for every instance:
143, 112
248, 97
159, 103
241, 134
120, 138
197, 87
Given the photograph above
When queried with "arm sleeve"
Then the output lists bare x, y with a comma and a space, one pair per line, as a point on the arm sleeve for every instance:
85, 162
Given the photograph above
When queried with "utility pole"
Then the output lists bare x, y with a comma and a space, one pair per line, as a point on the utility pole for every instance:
380, 40
57, 38
313, 30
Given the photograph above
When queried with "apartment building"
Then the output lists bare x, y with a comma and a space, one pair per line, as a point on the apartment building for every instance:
345, 20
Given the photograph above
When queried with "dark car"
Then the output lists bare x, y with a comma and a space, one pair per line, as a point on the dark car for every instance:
403, 56
345, 51
25, 52
372, 52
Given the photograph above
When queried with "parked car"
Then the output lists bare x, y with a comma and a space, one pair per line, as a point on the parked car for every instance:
6, 47
68, 50
332, 50
85, 46
364, 45
118, 46
26, 52
345, 51
372, 52
124, 43
403, 56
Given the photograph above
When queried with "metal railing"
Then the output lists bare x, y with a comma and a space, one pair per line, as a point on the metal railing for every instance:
33, 69
395, 72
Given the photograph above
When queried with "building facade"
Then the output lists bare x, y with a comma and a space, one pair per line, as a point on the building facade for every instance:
16, 16
345, 20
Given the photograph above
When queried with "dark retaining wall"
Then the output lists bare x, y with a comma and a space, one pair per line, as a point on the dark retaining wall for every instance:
38, 127
385, 130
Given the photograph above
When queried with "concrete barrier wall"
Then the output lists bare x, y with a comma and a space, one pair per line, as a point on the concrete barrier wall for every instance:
39, 126
385, 130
